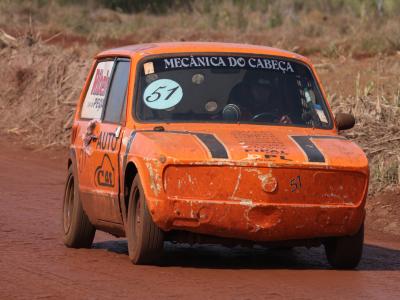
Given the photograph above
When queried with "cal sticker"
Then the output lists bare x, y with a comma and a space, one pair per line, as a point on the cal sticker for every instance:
148, 68
320, 113
162, 94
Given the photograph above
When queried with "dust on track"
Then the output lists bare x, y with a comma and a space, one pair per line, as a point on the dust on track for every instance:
35, 264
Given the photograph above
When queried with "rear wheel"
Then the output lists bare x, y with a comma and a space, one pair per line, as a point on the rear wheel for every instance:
145, 239
78, 231
345, 252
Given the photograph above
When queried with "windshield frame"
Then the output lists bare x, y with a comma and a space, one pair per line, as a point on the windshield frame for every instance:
143, 60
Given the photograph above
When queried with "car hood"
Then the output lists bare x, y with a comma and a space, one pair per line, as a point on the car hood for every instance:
271, 147
274, 165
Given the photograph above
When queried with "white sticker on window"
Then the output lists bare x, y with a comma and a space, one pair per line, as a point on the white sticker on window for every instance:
198, 78
94, 101
162, 94
148, 68
320, 113
310, 96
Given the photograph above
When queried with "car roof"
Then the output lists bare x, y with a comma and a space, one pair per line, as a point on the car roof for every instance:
197, 47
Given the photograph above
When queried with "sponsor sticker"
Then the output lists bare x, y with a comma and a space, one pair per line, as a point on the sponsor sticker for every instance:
94, 100
198, 78
148, 68
228, 62
320, 113
310, 96
211, 106
104, 174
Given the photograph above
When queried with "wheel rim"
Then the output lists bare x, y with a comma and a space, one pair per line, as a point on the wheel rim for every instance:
68, 204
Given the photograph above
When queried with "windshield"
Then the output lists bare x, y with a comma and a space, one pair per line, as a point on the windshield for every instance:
229, 89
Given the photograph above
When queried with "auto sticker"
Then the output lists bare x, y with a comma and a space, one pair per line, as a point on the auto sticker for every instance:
162, 94
107, 141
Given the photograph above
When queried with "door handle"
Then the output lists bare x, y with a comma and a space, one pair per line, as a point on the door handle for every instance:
89, 136
117, 132
93, 138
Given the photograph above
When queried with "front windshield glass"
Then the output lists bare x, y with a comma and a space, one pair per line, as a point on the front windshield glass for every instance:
229, 89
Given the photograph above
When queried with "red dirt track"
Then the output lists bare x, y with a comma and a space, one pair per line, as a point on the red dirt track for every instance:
34, 264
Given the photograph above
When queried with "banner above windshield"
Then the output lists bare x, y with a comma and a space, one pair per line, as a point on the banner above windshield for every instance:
242, 62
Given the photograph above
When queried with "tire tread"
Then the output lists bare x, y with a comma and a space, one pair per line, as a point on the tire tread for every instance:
81, 233
345, 252
151, 238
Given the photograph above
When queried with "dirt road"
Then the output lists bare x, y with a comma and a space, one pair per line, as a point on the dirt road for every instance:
35, 264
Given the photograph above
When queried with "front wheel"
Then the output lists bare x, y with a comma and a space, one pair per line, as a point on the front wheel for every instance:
345, 252
145, 239
78, 231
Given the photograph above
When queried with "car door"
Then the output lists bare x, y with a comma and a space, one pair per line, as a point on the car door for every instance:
101, 130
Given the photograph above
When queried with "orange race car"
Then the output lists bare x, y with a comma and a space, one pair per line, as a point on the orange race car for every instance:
212, 142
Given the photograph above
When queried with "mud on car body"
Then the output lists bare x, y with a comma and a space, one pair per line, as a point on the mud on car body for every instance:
200, 142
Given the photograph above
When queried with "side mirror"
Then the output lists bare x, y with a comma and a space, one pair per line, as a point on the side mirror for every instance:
344, 121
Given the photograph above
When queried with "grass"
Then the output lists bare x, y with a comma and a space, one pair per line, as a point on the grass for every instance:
347, 27
378, 127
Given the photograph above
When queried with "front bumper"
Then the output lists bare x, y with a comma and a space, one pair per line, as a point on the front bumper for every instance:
259, 203
257, 222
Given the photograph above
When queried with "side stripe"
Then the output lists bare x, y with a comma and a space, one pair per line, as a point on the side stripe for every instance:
128, 148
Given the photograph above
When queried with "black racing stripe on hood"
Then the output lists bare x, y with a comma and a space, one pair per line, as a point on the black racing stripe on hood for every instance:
310, 149
217, 149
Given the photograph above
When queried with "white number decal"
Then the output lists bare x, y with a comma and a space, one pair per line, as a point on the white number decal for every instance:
162, 94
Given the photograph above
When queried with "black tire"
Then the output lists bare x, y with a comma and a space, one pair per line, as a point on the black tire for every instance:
145, 239
345, 252
78, 231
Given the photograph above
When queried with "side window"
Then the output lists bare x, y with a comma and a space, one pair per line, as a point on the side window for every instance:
92, 107
117, 95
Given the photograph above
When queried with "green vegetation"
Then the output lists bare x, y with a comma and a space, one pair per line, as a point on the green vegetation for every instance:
330, 27
359, 8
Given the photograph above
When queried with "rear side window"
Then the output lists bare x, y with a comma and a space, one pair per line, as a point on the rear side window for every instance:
95, 96
117, 95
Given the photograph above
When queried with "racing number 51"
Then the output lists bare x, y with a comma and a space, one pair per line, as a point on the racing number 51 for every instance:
158, 94
295, 184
